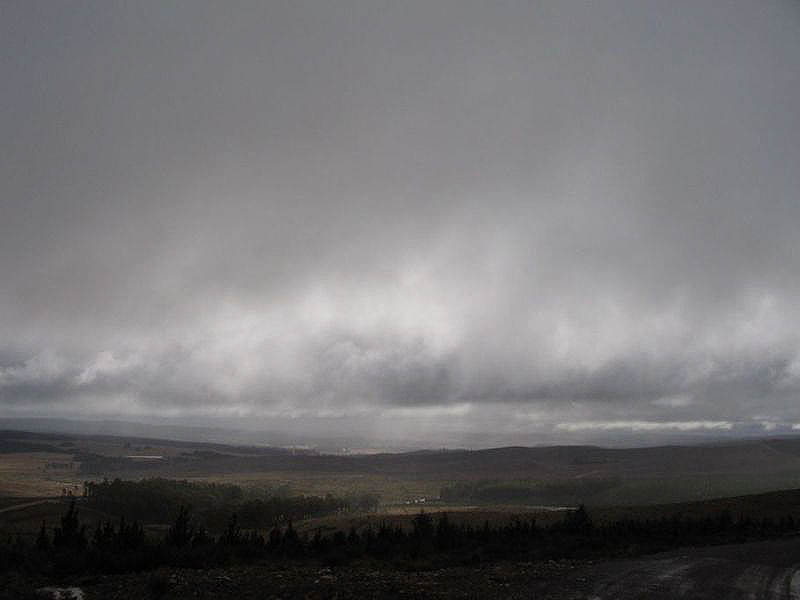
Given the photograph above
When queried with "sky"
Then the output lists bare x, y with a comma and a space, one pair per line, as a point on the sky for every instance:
516, 220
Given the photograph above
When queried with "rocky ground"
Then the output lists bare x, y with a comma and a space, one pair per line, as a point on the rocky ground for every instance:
768, 570
265, 581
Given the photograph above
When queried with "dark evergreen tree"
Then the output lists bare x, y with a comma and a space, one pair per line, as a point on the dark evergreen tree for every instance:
181, 531
233, 533
43, 540
71, 534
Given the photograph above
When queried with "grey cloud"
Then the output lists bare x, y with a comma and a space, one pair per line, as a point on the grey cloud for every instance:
354, 208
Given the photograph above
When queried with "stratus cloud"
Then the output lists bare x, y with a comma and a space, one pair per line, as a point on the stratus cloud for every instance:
679, 401
458, 213
645, 425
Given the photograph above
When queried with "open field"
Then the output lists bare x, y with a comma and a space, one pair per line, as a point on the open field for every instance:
770, 505
403, 516
391, 490
565, 475
32, 474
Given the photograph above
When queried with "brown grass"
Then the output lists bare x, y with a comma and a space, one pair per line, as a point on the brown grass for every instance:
391, 490
24, 474
403, 517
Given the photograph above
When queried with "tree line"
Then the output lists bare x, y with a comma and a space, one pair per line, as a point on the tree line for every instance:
569, 493
158, 500
73, 547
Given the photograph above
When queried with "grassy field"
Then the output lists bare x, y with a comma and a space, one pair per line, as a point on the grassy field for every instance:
403, 516
391, 490
636, 477
26, 474
772, 505
695, 487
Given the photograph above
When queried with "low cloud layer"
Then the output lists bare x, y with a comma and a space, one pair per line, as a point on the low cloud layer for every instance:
416, 218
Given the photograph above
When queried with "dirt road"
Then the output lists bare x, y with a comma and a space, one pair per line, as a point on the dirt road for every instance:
763, 570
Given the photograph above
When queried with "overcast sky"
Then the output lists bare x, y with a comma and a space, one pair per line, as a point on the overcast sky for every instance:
541, 220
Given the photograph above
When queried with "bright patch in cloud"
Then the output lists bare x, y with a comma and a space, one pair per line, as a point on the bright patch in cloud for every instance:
645, 425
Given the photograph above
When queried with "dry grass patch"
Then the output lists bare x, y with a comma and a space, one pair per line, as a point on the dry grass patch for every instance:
469, 515
26, 474
391, 490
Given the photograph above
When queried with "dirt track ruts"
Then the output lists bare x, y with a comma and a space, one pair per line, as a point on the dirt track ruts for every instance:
763, 570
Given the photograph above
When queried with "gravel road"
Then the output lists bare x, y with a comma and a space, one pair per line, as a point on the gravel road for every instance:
763, 570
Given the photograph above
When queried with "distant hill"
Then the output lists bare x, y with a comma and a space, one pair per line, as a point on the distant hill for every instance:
629, 475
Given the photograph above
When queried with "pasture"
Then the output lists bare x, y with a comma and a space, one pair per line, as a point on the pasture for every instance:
38, 474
